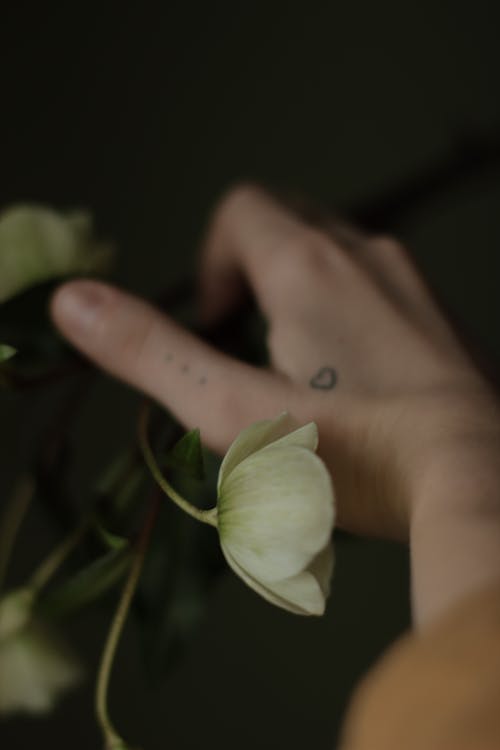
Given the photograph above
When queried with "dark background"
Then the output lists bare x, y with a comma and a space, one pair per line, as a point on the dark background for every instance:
145, 113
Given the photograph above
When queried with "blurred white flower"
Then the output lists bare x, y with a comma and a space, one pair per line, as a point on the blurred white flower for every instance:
38, 244
35, 665
6, 352
275, 514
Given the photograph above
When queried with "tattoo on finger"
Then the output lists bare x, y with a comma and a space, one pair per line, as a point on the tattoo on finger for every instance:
185, 368
325, 379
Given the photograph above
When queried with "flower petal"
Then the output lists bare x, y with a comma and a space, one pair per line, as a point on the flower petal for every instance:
303, 437
38, 244
15, 611
322, 569
252, 439
275, 512
34, 669
301, 590
19, 689
301, 594
280, 431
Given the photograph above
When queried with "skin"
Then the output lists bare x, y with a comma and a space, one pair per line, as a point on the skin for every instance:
409, 429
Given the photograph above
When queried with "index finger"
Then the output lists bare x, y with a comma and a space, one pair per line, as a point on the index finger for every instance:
133, 341
246, 243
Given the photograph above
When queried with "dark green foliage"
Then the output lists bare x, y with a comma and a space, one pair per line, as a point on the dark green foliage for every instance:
88, 584
186, 456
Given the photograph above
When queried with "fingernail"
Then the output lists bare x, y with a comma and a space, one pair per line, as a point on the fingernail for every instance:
79, 303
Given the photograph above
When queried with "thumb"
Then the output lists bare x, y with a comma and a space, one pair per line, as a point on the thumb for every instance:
132, 340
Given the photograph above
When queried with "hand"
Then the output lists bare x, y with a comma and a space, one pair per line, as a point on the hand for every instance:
356, 342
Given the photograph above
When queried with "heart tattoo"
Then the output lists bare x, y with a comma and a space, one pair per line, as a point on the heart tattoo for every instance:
325, 379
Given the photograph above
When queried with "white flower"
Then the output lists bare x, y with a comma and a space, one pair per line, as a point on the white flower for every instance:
38, 244
35, 666
275, 514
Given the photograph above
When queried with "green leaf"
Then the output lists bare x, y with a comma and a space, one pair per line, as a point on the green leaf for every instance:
88, 584
120, 482
6, 352
38, 244
186, 456
113, 541
183, 563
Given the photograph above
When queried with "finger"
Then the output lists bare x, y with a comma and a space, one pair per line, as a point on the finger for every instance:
252, 240
350, 237
387, 261
255, 239
391, 263
342, 231
199, 385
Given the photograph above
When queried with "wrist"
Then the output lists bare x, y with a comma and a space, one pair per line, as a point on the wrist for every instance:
455, 451
455, 527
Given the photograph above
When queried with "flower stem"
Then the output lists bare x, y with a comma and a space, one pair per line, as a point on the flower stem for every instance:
12, 519
53, 562
205, 516
111, 736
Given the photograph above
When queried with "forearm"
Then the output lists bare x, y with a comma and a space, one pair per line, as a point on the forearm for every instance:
455, 532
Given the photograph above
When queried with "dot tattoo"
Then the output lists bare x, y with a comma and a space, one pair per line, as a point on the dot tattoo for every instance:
325, 379
185, 368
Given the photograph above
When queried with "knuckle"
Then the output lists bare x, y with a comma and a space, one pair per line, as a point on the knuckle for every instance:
304, 255
388, 244
236, 196
294, 269
320, 251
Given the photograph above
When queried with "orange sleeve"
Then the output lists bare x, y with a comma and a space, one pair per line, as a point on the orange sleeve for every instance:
436, 690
